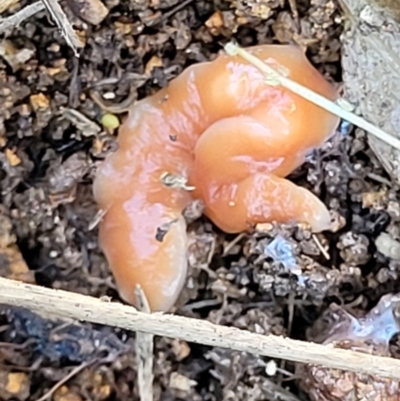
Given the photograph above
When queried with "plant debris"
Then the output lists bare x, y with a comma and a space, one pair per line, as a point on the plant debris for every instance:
370, 56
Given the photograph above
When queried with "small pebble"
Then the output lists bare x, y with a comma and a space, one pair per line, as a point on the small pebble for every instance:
388, 246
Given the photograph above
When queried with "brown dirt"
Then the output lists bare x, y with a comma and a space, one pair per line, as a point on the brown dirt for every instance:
48, 160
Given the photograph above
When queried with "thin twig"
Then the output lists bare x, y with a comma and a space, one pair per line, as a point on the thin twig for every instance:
63, 304
69, 376
295, 13
276, 78
97, 218
277, 392
117, 108
84, 124
13, 21
180, 6
321, 247
144, 353
231, 244
380, 179
58, 15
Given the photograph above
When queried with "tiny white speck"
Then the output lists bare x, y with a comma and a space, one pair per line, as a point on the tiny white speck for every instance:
270, 369
109, 95
53, 254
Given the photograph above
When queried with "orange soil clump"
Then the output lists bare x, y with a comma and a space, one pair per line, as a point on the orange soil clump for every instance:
234, 139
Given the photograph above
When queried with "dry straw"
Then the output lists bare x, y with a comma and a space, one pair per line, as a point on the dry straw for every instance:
274, 77
67, 305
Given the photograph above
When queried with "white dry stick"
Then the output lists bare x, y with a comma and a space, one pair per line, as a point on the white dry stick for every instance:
144, 353
13, 21
85, 125
276, 78
57, 13
321, 247
68, 305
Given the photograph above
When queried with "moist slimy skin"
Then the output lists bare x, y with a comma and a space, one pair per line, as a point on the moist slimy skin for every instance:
234, 139
369, 334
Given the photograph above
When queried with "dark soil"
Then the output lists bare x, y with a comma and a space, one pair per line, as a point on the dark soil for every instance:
48, 236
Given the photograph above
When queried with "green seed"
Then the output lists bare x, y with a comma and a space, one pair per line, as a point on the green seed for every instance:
110, 121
